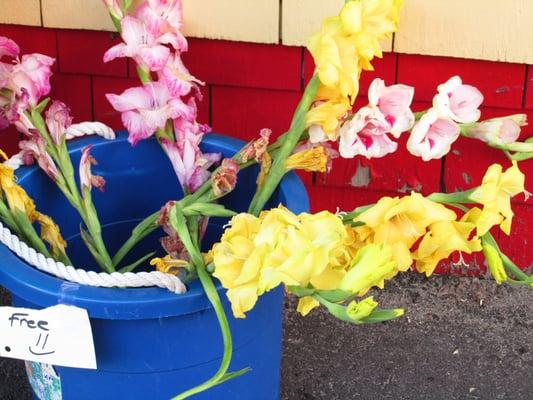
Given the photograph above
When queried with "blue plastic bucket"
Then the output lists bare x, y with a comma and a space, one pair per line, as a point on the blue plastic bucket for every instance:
150, 343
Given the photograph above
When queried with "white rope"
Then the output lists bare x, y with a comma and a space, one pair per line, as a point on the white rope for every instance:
90, 128
80, 276
90, 278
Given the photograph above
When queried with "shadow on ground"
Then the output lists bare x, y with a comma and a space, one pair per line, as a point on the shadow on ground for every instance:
460, 339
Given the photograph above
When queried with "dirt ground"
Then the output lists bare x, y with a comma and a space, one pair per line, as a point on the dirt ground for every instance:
461, 338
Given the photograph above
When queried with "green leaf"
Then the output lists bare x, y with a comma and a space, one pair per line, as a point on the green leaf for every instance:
300, 291
132, 266
28, 232
143, 229
208, 210
42, 105
378, 315
335, 296
233, 375
92, 248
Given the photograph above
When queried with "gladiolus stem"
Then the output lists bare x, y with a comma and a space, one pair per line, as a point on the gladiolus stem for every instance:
277, 171
179, 223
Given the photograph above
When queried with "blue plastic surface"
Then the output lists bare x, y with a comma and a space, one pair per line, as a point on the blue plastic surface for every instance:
150, 343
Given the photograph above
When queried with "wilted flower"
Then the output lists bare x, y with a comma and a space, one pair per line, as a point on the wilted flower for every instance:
51, 234
35, 149
458, 101
313, 159
362, 309
256, 148
394, 102
87, 179
224, 178
500, 131
366, 134
169, 265
58, 120
432, 136
148, 108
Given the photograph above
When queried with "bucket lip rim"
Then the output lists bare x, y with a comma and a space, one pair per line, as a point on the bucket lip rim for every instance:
122, 303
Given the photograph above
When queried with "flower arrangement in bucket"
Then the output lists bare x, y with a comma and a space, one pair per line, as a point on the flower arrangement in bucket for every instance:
325, 259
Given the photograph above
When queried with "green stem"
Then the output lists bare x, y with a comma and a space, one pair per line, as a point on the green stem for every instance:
179, 223
143, 229
278, 170
507, 262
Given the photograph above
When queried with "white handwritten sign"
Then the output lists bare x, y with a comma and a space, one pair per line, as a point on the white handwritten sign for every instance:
59, 335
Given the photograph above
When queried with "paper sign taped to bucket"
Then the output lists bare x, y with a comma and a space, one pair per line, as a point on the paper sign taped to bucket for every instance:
59, 335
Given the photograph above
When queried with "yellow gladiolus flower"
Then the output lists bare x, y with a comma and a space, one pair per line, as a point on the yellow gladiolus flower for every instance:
444, 238
306, 305
495, 195
51, 234
314, 159
169, 265
257, 254
344, 46
361, 309
373, 265
400, 222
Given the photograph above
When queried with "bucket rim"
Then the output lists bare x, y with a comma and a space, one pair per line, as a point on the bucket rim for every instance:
44, 290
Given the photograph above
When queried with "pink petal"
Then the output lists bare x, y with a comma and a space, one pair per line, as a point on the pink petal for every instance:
131, 99
8, 47
464, 103
137, 127
155, 57
120, 50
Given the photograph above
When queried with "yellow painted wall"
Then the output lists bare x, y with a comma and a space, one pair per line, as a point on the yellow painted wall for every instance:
483, 29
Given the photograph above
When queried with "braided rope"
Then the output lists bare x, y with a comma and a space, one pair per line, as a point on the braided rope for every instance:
80, 276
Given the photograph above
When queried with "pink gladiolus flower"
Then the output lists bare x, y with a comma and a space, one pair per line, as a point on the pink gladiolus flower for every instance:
366, 134
148, 108
394, 102
432, 137
87, 179
177, 77
58, 120
141, 44
501, 131
32, 74
164, 19
8, 47
189, 163
457, 101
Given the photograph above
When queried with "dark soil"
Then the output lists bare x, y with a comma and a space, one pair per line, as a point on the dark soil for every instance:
461, 338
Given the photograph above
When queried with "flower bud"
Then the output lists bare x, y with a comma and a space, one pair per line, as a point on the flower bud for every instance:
362, 309
498, 131
495, 263
58, 120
